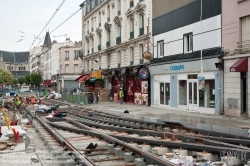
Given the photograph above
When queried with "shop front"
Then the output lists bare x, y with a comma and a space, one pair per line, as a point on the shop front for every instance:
180, 85
135, 84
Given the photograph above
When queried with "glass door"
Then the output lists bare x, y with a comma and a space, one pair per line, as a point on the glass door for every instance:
192, 93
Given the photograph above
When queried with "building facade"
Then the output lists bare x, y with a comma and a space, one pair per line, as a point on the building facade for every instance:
236, 46
180, 77
16, 62
116, 34
34, 59
51, 61
70, 66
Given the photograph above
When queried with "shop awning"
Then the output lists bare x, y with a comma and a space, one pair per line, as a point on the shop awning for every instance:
240, 66
83, 78
47, 83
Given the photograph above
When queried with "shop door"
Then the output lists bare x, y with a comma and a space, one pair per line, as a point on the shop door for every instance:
192, 93
130, 89
243, 93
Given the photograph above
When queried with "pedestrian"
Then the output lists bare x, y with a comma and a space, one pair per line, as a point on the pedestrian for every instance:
111, 95
94, 96
121, 95
97, 96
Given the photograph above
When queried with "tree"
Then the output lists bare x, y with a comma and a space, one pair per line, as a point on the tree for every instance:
36, 78
15, 81
28, 79
21, 80
6, 77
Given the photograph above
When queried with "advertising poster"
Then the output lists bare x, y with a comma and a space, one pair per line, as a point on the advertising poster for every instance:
201, 83
144, 86
138, 98
145, 99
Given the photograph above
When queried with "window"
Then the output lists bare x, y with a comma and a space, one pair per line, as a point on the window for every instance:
165, 93
100, 61
108, 59
160, 49
119, 57
76, 68
92, 45
118, 7
131, 28
141, 24
207, 95
92, 24
10, 67
76, 54
182, 92
88, 65
92, 64
108, 13
66, 55
188, 42
87, 48
131, 55
141, 51
245, 34
87, 26
67, 68
99, 18
93, 4
131, 3
119, 31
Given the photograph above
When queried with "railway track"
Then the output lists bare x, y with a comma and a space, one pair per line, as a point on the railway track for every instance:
156, 135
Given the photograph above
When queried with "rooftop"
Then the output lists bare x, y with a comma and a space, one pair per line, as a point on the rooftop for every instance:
15, 57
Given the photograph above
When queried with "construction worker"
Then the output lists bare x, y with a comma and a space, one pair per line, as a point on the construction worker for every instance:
25, 100
17, 101
33, 100
41, 101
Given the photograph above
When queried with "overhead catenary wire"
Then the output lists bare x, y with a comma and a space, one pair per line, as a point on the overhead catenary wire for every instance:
48, 22
65, 21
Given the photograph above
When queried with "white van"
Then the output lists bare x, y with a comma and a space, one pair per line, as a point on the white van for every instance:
24, 89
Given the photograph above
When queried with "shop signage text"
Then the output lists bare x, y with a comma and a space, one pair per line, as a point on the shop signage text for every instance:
144, 73
96, 74
177, 68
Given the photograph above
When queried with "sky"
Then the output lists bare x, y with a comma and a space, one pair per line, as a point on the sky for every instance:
23, 20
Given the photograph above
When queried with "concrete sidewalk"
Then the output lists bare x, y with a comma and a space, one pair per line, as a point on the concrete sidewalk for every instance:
175, 115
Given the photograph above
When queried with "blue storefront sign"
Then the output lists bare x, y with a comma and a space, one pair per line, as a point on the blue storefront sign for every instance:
177, 68
144, 73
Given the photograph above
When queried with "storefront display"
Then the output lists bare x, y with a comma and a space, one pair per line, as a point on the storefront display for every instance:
138, 98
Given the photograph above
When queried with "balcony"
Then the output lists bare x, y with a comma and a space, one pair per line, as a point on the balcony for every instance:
142, 31
119, 12
108, 19
100, 24
243, 47
141, 61
118, 40
88, 51
92, 50
99, 47
131, 35
108, 44
131, 63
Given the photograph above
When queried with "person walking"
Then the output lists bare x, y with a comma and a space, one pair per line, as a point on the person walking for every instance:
97, 96
121, 95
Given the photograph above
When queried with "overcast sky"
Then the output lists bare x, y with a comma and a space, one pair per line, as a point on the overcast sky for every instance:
30, 16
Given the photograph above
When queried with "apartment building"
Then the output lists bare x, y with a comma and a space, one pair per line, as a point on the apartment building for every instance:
116, 34
236, 48
70, 66
34, 59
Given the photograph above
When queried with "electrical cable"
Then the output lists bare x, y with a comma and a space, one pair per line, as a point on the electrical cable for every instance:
65, 20
15, 30
48, 22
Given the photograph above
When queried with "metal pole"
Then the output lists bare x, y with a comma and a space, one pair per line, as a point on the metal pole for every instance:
201, 40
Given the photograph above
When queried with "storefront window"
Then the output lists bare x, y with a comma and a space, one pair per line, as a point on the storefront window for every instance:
162, 93
207, 96
182, 92
165, 93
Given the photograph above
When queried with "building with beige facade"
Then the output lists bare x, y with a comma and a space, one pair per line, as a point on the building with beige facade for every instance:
236, 46
70, 66
116, 34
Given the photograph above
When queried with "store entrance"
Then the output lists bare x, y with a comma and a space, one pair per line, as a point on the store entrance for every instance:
192, 93
243, 93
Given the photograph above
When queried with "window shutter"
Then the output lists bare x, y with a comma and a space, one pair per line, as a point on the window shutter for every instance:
191, 42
